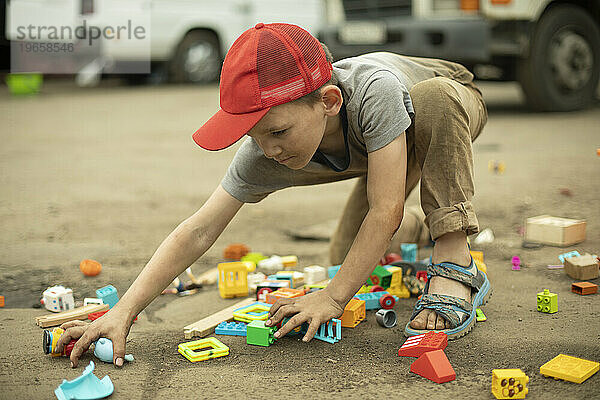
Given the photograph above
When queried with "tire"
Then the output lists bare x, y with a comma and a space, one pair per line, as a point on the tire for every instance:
197, 59
563, 66
387, 301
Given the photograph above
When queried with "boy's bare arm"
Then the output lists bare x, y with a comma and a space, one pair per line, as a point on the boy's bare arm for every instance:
190, 240
385, 191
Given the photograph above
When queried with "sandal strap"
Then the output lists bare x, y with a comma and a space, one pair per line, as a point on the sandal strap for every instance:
445, 305
457, 273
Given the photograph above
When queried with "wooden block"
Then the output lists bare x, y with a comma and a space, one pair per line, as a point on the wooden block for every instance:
80, 313
581, 268
584, 288
555, 231
207, 325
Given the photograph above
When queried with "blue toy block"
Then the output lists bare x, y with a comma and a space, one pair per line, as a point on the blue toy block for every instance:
372, 299
231, 328
573, 253
330, 331
85, 386
409, 252
331, 271
108, 294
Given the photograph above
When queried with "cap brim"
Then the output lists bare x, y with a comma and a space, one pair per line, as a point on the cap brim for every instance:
224, 129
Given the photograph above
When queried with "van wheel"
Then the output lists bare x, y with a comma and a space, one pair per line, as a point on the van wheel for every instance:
562, 69
197, 59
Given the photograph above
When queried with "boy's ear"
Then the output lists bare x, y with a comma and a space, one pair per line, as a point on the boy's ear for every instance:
332, 99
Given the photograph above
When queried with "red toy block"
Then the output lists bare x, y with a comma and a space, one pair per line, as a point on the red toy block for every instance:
96, 315
434, 365
416, 346
422, 275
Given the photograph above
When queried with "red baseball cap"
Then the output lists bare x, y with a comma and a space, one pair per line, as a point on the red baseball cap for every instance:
268, 65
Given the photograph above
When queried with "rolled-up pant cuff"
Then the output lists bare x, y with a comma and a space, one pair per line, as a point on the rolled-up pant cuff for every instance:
457, 218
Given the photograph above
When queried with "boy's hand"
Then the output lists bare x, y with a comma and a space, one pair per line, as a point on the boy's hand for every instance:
315, 308
111, 325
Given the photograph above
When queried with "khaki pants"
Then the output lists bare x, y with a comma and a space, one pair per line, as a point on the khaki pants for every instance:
448, 117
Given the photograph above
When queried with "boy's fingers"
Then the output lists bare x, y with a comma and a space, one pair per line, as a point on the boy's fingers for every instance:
296, 320
118, 352
67, 336
71, 324
279, 303
82, 345
284, 311
312, 330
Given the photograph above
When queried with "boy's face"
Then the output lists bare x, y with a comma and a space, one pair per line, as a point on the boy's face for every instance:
291, 133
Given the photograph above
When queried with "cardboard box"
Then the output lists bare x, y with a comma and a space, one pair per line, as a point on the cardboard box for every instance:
554, 231
582, 268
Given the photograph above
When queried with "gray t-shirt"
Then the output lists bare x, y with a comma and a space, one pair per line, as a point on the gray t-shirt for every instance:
378, 109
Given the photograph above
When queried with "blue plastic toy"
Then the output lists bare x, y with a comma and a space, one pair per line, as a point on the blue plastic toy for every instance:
103, 349
409, 252
108, 294
331, 271
573, 253
373, 300
86, 386
231, 328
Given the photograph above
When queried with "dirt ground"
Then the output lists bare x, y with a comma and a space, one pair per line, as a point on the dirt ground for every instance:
107, 173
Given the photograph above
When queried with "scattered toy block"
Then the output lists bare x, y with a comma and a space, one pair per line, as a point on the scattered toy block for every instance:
233, 279
85, 386
209, 348
235, 251
254, 280
1, 301
252, 312
80, 313
260, 335
555, 231
354, 313
289, 261
296, 278
108, 295
330, 331
584, 288
207, 325
415, 346
283, 293
314, 274
58, 298
268, 286
331, 271
434, 365
582, 267
563, 256
479, 315
547, 302
254, 257
381, 277
377, 300
231, 328
386, 318
409, 251
95, 315
509, 383
569, 368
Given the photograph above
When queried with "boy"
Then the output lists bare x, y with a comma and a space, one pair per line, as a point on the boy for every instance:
387, 119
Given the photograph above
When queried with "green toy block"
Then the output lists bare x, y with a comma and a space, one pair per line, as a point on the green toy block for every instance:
260, 335
547, 302
254, 257
381, 277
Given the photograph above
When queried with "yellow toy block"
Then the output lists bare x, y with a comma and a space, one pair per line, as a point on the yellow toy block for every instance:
254, 312
478, 258
364, 289
233, 279
569, 368
400, 291
211, 348
509, 383
354, 313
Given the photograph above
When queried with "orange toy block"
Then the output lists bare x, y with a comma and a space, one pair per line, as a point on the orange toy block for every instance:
283, 293
434, 365
354, 312
233, 279
584, 288
235, 251
1, 301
